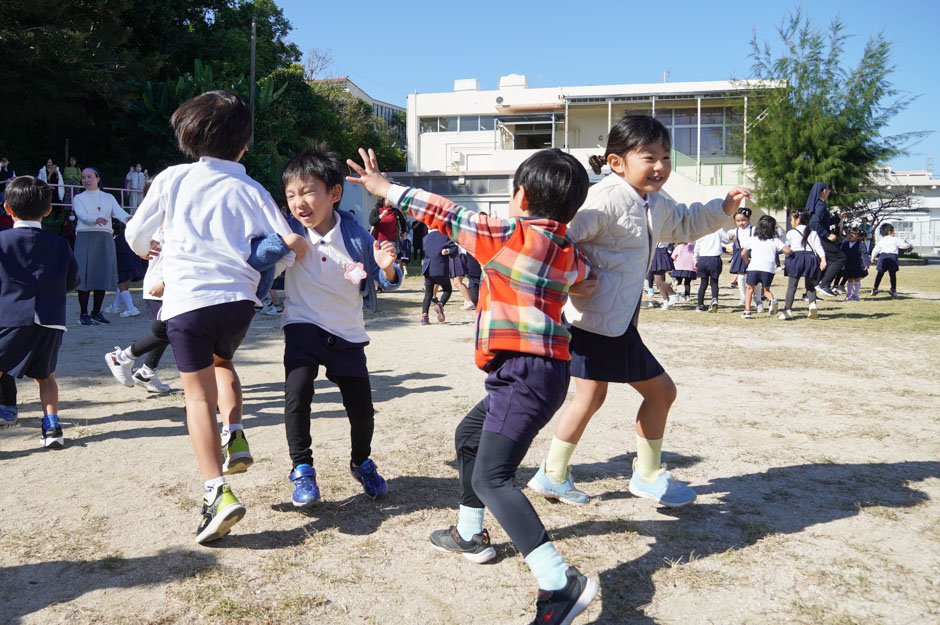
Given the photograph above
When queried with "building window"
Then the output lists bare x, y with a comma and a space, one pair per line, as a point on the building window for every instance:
721, 127
461, 123
469, 123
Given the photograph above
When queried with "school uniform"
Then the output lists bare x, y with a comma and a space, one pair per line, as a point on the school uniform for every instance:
436, 268
707, 254
856, 259
762, 254
37, 269
803, 260
741, 236
886, 250
662, 259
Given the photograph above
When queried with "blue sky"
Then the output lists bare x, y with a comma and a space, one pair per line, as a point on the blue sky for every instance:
391, 49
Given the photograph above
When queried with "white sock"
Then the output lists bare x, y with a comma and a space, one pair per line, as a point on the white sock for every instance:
127, 356
147, 372
213, 484
226, 429
128, 302
117, 300
742, 285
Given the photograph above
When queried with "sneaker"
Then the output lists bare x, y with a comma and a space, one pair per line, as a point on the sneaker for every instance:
662, 489
785, 315
99, 318
713, 307
813, 311
151, 384
893, 294
874, 292
235, 453
467, 306
671, 301
760, 307
564, 492
650, 304
52, 432
219, 515
477, 549
306, 490
560, 607
122, 371
269, 310
741, 302
772, 309
746, 314
805, 297
824, 291
686, 298
85, 320
113, 309
367, 474
130, 312
700, 309
8, 415
424, 320
440, 312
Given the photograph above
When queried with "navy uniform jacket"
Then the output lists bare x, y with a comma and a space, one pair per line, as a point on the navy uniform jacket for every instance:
436, 264
37, 269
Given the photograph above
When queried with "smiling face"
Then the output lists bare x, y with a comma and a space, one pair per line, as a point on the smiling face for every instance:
646, 169
311, 202
90, 179
741, 221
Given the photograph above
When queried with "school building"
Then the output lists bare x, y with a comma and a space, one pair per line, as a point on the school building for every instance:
917, 219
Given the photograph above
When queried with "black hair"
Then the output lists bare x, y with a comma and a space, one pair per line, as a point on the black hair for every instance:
886, 229
317, 161
630, 133
743, 210
766, 228
29, 198
379, 203
555, 184
216, 123
802, 219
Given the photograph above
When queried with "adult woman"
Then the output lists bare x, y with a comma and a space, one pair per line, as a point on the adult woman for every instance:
49, 173
72, 175
823, 224
94, 244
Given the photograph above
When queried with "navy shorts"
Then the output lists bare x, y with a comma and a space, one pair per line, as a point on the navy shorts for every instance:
29, 351
310, 344
523, 392
888, 262
621, 359
217, 330
760, 277
153, 309
709, 267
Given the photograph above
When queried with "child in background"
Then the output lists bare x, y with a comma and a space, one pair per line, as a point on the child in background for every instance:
807, 258
662, 263
760, 254
530, 265
210, 211
683, 256
886, 250
707, 257
436, 270
37, 269
856, 263
742, 233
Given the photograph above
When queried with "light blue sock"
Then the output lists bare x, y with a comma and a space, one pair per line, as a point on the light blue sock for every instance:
548, 567
469, 522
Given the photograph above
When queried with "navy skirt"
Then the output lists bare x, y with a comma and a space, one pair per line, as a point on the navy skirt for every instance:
30, 351
458, 265
662, 261
129, 265
621, 359
888, 262
684, 273
709, 267
803, 264
737, 262
853, 265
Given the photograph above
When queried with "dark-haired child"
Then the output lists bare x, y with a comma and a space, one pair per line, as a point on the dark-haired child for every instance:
683, 257
529, 265
760, 254
743, 231
659, 267
707, 256
436, 271
886, 250
857, 260
322, 321
37, 269
807, 258
210, 212
625, 213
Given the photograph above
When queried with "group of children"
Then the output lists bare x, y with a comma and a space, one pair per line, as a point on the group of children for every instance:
560, 296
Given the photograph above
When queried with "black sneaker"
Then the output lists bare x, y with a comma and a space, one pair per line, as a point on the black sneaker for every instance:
825, 291
219, 515
560, 607
99, 318
477, 549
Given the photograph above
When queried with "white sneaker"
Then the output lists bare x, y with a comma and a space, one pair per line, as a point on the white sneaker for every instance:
122, 371
760, 307
130, 312
670, 301
713, 307
113, 309
773, 307
813, 311
786, 315
270, 310
686, 298
152, 384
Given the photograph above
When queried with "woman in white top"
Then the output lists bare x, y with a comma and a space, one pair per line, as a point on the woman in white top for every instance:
807, 259
760, 254
94, 244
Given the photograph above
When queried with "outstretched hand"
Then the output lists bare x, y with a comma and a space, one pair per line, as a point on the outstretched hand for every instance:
734, 198
369, 175
384, 253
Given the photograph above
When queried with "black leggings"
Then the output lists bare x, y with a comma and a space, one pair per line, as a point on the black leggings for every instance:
794, 281
892, 276
7, 390
446, 290
705, 283
153, 345
83, 302
487, 464
298, 393
835, 262
688, 285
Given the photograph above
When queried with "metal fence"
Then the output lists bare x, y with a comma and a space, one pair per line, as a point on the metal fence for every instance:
69, 191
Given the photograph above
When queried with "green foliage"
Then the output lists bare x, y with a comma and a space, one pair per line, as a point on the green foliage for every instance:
825, 120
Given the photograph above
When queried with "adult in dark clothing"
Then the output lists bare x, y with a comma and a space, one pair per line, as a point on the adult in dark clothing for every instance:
436, 270
387, 222
823, 224
418, 231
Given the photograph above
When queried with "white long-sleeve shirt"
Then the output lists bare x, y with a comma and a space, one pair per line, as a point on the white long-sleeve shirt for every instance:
889, 244
711, 244
813, 242
210, 211
90, 206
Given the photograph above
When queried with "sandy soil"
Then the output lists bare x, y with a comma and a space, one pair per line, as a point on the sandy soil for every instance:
814, 450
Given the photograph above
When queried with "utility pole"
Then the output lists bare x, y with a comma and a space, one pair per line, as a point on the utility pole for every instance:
251, 83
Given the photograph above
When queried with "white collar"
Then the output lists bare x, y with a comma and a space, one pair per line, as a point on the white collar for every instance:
221, 164
330, 237
27, 224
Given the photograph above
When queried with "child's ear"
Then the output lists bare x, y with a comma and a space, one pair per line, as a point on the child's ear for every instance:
336, 193
9, 210
48, 210
618, 163
523, 199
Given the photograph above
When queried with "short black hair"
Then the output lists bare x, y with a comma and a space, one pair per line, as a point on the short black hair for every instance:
766, 228
555, 184
318, 161
632, 132
216, 123
886, 229
29, 198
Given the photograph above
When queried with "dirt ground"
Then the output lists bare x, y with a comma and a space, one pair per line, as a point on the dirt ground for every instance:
813, 447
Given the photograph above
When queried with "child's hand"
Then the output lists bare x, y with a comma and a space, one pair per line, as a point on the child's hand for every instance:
822, 265
583, 288
296, 243
370, 177
384, 253
156, 290
445, 252
734, 198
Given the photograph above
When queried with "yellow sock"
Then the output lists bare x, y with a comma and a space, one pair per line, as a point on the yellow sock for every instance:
559, 455
648, 456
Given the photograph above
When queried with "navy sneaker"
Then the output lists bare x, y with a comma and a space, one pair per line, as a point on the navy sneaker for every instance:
8, 415
560, 607
99, 318
368, 475
306, 490
85, 320
52, 432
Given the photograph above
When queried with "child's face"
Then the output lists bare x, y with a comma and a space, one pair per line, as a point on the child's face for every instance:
646, 169
311, 203
741, 221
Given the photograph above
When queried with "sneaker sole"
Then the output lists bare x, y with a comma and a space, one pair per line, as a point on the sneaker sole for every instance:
237, 463
642, 495
222, 524
536, 487
440, 314
813, 313
479, 558
712, 309
53, 443
587, 596
304, 504
152, 389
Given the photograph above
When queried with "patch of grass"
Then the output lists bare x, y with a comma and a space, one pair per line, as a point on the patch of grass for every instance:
300, 605
179, 494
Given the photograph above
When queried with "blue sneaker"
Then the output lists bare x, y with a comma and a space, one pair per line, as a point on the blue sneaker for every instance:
8, 415
306, 490
562, 491
662, 489
368, 475
52, 432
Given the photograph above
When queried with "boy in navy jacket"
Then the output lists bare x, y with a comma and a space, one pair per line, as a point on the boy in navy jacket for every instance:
436, 269
37, 269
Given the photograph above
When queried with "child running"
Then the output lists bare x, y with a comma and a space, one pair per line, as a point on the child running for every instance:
806, 260
210, 211
857, 260
742, 233
662, 264
760, 254
886, 250
528, 264
623, 217
436, 270
706, 255
683, 256
37, 269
